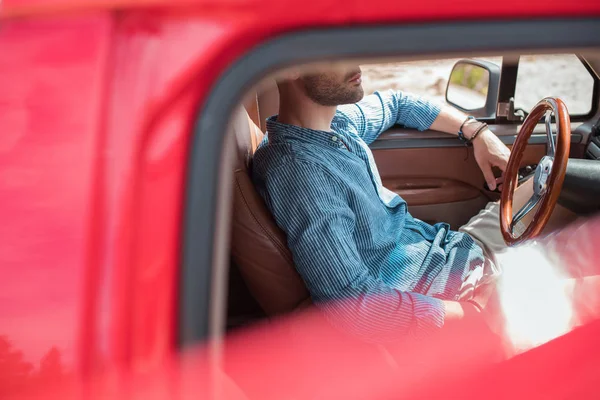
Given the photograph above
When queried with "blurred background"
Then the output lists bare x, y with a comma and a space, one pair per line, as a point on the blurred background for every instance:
560, 75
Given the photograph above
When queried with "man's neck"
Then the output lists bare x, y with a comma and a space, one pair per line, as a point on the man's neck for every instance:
306, 114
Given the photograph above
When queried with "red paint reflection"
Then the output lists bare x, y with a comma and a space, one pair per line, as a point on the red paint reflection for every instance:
18, 375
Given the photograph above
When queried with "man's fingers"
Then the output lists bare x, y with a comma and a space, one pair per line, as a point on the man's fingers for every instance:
489, 177
499, 182
502, 163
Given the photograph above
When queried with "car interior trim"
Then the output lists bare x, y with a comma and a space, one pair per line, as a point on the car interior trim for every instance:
412, 143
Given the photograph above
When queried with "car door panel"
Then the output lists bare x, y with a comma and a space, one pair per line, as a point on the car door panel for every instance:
410, 138
456, 214
438, 176
432, 190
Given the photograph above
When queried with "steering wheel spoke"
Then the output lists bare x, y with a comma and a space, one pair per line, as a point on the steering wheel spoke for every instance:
551, 145
526, 209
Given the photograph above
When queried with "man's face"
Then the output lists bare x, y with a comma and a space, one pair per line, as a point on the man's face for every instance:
336, 85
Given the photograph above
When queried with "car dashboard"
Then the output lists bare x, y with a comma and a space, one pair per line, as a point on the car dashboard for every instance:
593, 149
581, 188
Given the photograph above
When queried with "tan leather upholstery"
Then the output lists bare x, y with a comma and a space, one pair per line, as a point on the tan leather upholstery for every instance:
268, 101
258, 246
251, 106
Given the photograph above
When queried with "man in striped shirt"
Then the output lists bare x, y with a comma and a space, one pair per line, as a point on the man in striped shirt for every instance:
372, 267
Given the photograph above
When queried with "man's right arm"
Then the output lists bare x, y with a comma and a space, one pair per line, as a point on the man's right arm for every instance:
308, 204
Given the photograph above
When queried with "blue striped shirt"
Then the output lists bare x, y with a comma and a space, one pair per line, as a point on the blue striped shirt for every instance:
351, 238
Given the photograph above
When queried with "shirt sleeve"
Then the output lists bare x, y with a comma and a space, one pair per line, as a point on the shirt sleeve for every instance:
310, 207
380, 111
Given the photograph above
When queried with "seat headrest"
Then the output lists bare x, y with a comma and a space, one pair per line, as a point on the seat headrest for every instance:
268, 100
259, 247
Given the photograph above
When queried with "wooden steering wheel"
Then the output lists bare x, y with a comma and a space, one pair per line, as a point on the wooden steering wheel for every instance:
549, 174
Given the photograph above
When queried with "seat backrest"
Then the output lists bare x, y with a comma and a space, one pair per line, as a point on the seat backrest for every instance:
268, 101
259, 247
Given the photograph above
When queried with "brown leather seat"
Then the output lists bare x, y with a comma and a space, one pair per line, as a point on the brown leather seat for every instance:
259, 247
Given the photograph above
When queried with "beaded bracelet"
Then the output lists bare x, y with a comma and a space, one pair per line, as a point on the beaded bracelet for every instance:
479, 130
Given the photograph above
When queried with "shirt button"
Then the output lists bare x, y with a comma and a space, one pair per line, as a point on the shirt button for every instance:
334, 138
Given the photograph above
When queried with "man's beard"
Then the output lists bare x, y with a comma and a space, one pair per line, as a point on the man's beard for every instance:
326, 91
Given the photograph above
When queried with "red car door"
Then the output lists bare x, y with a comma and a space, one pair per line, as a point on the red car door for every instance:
98, 103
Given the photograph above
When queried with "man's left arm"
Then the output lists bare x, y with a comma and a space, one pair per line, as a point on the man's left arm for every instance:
380, 111
489, 150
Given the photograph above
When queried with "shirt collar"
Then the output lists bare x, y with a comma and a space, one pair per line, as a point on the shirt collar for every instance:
278, 132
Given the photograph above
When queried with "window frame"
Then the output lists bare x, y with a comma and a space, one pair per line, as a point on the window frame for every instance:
595, 87
595, 94
208, 196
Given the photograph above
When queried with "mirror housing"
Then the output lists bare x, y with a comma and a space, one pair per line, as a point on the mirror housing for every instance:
478, 71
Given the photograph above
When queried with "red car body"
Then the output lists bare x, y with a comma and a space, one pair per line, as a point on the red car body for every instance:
97, 104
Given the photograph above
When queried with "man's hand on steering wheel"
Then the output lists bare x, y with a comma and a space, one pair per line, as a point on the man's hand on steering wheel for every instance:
490, 152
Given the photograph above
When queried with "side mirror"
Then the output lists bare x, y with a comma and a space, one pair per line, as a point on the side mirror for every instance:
473, 87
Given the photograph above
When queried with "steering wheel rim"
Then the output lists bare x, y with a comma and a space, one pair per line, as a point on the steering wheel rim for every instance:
549, 174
